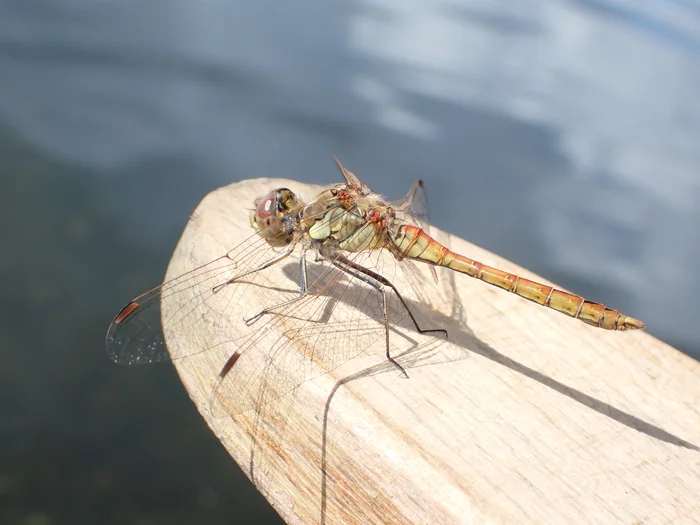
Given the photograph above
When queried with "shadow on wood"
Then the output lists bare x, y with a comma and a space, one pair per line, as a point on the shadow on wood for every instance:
520, 415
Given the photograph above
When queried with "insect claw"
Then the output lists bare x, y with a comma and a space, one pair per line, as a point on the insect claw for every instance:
251, 320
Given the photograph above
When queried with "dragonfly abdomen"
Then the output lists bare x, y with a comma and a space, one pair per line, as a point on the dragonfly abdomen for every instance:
414, 243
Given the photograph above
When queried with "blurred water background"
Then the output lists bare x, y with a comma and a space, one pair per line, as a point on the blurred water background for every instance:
561, 134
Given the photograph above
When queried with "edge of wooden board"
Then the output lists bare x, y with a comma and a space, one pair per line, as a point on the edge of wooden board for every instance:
521, 415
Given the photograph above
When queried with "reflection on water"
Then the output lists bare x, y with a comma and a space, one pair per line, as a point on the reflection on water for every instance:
562, 135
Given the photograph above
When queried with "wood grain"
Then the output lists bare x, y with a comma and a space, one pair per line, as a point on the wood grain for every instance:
521, 416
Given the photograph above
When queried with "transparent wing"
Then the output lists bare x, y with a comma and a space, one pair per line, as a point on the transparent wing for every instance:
205, 310
137, 334
414, 209
341, 318
415, 204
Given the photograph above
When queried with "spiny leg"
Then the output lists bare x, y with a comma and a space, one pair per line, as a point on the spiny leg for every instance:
386, 282
378, 282
303, 290
377, 286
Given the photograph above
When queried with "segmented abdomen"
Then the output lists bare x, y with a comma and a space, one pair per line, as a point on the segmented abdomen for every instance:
414, 243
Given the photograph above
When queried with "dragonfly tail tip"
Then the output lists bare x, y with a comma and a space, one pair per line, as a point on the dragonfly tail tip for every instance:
630, 323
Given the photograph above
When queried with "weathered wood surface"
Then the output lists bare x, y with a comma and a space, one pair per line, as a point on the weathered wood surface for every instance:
522, 416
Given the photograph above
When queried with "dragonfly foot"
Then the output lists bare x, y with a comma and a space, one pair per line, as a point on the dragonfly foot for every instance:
219, 287
401, 369
253, 319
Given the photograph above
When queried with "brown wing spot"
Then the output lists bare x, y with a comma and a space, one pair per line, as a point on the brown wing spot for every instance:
126, 312
229, 364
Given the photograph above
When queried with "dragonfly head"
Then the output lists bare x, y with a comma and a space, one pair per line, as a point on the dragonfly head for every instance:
275, 215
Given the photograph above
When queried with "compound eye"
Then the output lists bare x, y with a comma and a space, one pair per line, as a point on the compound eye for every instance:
267, 206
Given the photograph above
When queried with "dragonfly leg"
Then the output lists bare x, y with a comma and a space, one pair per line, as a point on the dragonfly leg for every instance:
380, 288
386, 282
379, 283
277, 258
303, 290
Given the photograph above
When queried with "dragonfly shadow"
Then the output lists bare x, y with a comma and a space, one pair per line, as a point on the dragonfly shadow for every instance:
460, 335
358, 296
463, 337
365, 300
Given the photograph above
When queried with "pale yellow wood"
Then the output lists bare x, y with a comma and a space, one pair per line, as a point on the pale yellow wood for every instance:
522, 416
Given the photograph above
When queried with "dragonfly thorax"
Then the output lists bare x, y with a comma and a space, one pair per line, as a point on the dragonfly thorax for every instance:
348, 230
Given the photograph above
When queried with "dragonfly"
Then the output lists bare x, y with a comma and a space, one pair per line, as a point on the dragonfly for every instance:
344, 225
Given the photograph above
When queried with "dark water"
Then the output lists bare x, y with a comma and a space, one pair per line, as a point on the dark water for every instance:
560, 134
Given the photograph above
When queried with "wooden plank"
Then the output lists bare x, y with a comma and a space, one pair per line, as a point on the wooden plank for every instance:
522, 415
